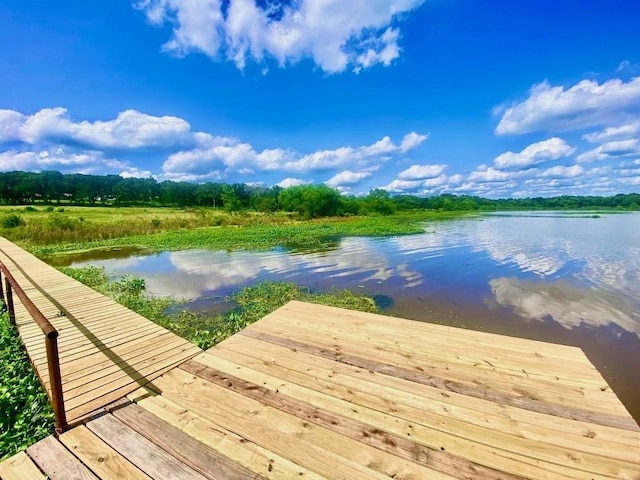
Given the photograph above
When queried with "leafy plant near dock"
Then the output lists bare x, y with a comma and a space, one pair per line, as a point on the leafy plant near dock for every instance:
25, 413
252, 302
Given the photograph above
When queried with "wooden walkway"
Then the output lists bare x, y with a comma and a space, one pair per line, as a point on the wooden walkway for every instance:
106, 350
318, 392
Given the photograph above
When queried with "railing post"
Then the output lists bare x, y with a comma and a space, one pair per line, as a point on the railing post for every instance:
10, 309
4, 306
55, 381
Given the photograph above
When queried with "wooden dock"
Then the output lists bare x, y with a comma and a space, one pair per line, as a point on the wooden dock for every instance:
106, 350
318, 392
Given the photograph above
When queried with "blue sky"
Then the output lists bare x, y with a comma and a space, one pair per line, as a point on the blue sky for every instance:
496, 98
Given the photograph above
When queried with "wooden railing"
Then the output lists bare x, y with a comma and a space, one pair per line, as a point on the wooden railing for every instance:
50, 338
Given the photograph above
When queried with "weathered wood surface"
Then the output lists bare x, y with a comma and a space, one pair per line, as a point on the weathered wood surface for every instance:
106, 350
314, 392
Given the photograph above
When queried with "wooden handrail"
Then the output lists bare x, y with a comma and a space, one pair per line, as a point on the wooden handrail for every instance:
51, 342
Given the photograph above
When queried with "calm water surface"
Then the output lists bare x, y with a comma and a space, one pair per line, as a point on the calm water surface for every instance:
544, 276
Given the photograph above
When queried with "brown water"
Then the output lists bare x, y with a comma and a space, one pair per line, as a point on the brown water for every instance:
545, 276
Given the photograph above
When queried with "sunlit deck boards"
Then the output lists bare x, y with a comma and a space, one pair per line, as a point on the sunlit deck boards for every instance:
106, 350
319, 392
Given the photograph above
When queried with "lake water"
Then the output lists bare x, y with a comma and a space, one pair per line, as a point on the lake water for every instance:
569, 279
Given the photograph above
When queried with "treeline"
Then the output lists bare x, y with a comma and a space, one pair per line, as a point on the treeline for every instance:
51, 187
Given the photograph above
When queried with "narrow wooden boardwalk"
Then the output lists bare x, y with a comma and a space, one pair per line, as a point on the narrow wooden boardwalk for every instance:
318, 392
106, 350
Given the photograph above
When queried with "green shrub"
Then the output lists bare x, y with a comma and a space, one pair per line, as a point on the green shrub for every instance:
49, 209
11, 221
30, 209
26, 414
60, 222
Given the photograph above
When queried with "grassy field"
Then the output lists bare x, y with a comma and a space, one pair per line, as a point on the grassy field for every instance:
79, 229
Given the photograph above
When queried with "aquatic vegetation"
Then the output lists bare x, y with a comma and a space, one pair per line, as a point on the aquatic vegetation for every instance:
26, 415
270, 232
252, 303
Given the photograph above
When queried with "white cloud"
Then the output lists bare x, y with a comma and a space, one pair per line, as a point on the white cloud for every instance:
359, 33
627, 130
546, 150
411, 141
10, 123
224, 152
490, 175
418, 172
130, 129
609, 150
400, 186
57, 159
347, 177
563, 172
292, 182
133, 172
585, 104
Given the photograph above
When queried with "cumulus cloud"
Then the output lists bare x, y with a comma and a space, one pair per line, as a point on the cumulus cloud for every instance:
292, 182
336, 35
229, 153
412, 140
490, 174
563, 172
347, 177
133, 172
544, 151
610, 150
10, 123
418, 172
130, 129
583, 105
58, 159
609, 133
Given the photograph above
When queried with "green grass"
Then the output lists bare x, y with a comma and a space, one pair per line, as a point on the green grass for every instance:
32, 226
253, 303
294, 235
25, 413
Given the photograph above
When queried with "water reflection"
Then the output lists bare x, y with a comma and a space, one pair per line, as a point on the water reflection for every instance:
569, 279
566, 304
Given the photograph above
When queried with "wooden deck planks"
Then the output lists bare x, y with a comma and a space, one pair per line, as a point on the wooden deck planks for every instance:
20, 467
52, 457
105, 350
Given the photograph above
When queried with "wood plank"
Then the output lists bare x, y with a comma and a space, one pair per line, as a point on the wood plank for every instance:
100, 457
325, 451
440, 348
442, 435
57, 462
206, 461
444, 383
262, 461
141, 393
374, 435
551, 391
384, 392
385, 324
20, 467
104, 398
102, 369
127, 374
147, 456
